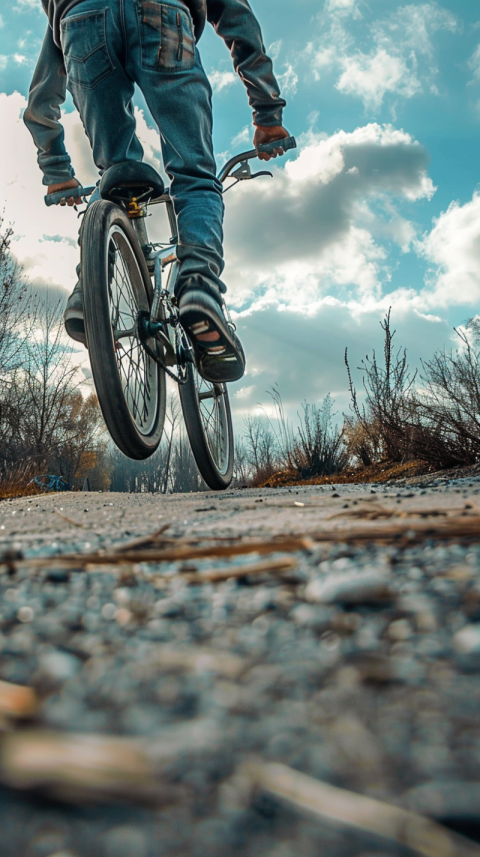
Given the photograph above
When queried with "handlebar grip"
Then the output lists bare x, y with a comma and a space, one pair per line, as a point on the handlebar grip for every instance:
286, 144
76, 192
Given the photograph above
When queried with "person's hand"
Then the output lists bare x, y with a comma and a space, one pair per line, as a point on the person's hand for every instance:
66, 186
264, 135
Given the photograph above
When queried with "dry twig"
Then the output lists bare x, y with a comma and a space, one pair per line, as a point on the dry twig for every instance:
72, 521
142, 541
217, 575
380, 512
424, 837
467, 527
287, 544
102, 768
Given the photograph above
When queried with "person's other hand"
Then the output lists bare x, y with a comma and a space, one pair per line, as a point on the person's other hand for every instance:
264, 135
69, 200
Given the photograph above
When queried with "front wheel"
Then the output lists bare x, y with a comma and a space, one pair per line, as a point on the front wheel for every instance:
206, 411
130, 385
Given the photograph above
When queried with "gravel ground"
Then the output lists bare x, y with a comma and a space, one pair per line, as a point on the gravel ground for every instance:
359, 668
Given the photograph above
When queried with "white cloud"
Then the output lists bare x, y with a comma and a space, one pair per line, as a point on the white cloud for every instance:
220, 80
28, 5
288, 80
371, 76
474, 64
314, 227
396, 56
308, 260
243, 138
348, 7
274, 49
453, 250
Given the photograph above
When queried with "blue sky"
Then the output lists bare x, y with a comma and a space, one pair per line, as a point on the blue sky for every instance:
378, 206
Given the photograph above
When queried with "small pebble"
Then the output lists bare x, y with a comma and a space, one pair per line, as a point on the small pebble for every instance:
25, 614
108, 611
467, 640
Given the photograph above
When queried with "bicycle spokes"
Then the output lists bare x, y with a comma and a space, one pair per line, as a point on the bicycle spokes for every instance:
134, 364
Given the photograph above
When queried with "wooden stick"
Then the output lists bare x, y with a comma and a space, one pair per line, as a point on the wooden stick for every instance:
413, 531
219, 574
72, 521
424, 837
141, 542
287, 544
100, 768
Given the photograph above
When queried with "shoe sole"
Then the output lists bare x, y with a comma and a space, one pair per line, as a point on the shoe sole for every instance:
198, 318
75, 326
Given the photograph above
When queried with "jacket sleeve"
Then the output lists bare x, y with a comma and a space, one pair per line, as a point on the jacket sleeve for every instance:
42, 115
235, 22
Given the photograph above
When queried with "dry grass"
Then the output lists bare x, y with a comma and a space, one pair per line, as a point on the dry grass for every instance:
383, 471
16, 483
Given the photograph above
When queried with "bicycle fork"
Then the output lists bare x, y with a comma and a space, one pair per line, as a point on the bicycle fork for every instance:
163, 322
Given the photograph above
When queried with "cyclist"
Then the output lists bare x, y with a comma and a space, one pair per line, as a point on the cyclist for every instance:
99, 49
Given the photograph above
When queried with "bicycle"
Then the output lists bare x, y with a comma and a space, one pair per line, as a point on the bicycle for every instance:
50, 482
132, 327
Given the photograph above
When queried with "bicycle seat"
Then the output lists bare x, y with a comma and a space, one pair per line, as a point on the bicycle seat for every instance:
131, 179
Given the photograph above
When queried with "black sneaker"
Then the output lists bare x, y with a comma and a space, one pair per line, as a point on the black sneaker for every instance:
73, 315
221, 360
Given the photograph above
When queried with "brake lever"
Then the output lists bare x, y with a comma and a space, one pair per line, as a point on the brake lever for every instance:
242, 173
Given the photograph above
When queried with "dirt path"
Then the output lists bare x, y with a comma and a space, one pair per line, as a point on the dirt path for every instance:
345, 646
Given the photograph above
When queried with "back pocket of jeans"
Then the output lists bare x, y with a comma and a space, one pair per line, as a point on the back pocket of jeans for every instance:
166, 33
84, 46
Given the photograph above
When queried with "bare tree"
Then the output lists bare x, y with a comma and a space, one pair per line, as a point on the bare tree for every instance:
242, 471
45, 421
261, 447
173, 418
16, 306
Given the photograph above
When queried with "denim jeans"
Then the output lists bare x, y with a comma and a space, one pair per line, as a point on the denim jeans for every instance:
109, 45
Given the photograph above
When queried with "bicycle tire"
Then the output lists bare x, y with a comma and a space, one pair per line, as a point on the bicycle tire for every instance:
215, 465
113, 268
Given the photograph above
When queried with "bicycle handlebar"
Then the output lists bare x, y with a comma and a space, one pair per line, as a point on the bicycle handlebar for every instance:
286, 144
77, 192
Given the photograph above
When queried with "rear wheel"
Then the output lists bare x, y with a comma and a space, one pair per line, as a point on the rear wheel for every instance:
117, 288
206, 411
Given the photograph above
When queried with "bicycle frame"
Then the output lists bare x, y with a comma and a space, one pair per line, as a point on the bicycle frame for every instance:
164, 316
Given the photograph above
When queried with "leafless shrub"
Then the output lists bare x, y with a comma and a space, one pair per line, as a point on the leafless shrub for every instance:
379, 428
269, 445
319, 448
447, 428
